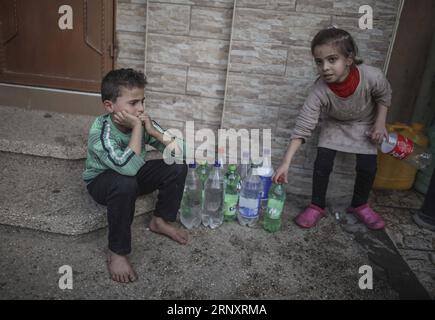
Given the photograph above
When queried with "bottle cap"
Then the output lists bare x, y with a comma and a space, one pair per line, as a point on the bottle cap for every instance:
232, 167
203, 163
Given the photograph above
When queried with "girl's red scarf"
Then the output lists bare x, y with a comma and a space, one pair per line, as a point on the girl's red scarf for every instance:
348, 86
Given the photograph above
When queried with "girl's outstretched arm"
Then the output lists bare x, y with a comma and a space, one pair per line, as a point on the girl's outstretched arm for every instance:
281, 174
378, 131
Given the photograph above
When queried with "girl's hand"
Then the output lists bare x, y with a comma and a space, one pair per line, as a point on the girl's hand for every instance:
281, 174
126, 120
148, 125
377, 133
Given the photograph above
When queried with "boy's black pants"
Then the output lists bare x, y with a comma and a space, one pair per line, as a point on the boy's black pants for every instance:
365, 175
119, 193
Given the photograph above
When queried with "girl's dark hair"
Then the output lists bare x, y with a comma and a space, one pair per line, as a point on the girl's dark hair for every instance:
338, 38
115, 80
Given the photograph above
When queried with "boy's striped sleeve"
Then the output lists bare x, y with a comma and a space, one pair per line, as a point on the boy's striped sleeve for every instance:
155, 143
107, 151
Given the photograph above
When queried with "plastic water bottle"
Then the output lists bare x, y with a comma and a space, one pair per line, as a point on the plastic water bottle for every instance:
249, 201
231, 195
265, 172
403, 148
243, 169
244, 166
203, 172
275, 204
190, 215
213, 203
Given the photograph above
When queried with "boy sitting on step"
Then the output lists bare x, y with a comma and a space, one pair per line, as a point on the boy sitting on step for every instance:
116, 171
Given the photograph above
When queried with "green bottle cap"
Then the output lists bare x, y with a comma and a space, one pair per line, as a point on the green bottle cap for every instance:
232, 167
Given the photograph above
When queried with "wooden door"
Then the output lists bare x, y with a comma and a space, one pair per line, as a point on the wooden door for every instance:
66, 44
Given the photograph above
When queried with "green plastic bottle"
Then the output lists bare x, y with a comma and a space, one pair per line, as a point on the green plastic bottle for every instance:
231, 196
275, 205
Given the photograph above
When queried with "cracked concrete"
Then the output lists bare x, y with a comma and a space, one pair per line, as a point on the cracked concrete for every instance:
231, 262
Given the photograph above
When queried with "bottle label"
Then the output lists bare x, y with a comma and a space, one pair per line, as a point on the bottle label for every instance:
274, 208
249, 207
230, 204
267, 182
403, 148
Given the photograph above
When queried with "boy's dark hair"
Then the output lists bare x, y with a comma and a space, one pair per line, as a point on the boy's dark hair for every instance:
339, 38
115, 80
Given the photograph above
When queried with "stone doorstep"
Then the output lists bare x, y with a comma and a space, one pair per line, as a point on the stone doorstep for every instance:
83, 218
45, 133
48, 194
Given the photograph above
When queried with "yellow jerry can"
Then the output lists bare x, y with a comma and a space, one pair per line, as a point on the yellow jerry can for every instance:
394, 174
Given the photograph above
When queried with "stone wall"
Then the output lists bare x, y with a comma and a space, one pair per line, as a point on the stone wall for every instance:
265, 64
130, 33
186, 61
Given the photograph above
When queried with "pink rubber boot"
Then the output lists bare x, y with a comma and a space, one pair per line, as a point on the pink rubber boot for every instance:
367, 216
310, 216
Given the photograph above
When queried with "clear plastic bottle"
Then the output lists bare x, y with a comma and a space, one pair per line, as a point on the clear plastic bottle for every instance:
203, 172
190, 213
265, 172
249, 201
244, 168
275, 204
213, 203
404, 149
231, 195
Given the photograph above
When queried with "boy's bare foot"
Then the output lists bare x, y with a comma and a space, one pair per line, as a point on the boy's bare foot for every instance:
158, 225
120, 268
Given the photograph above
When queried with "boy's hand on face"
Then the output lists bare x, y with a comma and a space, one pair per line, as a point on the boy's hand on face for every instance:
126, 120
148, 125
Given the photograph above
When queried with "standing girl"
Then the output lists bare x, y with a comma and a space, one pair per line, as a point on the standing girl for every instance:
352, 99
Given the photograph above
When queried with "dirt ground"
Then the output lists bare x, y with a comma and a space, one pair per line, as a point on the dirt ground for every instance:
231, 262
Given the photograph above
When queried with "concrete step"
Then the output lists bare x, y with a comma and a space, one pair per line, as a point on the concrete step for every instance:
48, 194
46, 134
42, 133
43, 158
